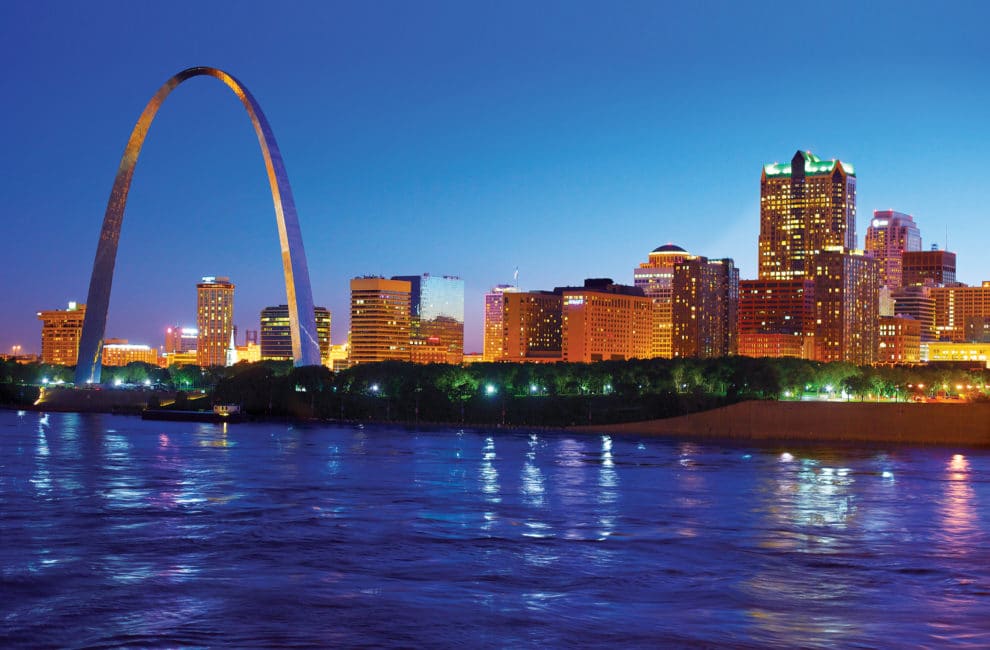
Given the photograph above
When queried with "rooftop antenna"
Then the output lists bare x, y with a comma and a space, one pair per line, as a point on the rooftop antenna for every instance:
515, 278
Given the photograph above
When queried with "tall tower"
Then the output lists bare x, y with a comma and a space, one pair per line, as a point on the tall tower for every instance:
60, 334
214, 319
805, 207
890, 235
705, 304
656, 278
495, 322
379, 320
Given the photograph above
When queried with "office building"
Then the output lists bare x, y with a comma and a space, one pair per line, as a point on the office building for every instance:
276, 334
806, 206
889, 236
975, 355
214, 320
604, 321
181, 339
932, 268
379, 320
705, 304
436, 318
61, 330
494, 333
956, 306
847, 290
916, 302
655, 277
899, 340
777, 318
532, 327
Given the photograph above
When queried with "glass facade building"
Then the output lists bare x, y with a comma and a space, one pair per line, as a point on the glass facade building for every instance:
276, 335
436, 318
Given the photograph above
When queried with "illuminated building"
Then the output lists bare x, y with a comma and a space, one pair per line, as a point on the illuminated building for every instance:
532, 326
181, 339
704, 308
60, 334
900, 340
181, 359
118, 352
379, 320
337, 357
916, 302
250, 352
777, 318
847, 288
806, 206
604, 321
494, 337
955, 306
889, 236
932, 268
214, 320
959, 352
276, 333
436, 318
655, 277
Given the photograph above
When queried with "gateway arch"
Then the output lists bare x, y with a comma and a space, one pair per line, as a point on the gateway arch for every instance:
299, 294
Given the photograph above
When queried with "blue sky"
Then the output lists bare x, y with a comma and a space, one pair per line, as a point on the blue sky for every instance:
567, 139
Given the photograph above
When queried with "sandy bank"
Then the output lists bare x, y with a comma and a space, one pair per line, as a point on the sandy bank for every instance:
935, 424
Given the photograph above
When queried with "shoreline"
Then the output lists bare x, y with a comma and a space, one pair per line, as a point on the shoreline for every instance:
752, 421
837, 422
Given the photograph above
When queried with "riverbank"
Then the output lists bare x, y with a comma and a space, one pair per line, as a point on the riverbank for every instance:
907, 423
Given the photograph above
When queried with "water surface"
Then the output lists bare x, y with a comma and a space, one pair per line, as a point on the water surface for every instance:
118, 532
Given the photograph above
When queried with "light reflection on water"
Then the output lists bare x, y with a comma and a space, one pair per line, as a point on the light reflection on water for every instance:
193, 535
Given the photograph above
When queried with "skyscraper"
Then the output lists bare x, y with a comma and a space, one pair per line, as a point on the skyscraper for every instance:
655, 277
705, 303
847, 306
276, 335
61, 330
214, 320
494, 337
805, 207
436, 317
379, 320
889, 236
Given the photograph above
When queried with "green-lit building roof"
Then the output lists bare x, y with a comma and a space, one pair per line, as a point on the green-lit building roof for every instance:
813, 166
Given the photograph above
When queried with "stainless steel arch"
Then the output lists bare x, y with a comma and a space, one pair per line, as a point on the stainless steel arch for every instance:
299, 294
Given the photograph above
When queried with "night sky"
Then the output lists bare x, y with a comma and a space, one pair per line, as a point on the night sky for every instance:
566, 139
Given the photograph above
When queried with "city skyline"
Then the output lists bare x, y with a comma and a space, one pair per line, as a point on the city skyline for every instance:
503, 164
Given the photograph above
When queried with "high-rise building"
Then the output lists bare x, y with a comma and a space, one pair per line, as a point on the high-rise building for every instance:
276, 334
890, 235
705, 304
932, 268
655, 277
777, 318
805, 207
436, 318
847, 289
956, 306
916, 302
532, 326
180, 339
604, 321
900, 340
61, 330
214, 320
379, 320
494, 336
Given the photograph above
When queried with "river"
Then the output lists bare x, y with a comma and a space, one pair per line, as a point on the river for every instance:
115, 532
